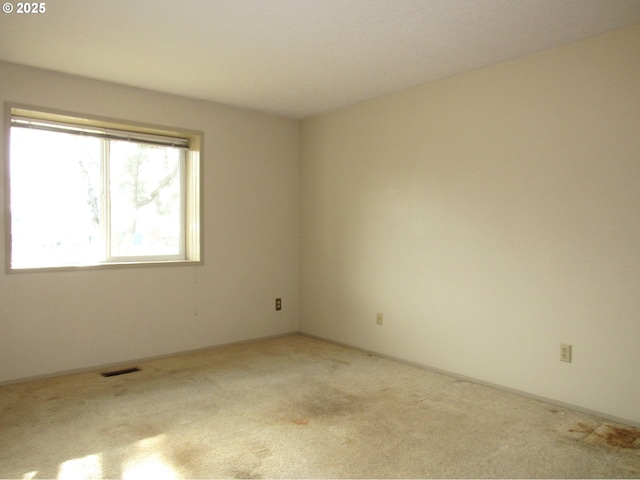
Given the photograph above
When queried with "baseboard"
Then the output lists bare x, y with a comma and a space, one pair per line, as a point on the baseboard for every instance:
129, 363
551, 401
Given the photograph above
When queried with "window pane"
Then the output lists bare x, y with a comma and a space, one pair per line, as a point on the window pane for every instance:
55, 207
146, 205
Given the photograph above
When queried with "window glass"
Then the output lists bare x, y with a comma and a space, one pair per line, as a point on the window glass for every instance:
146, 201
55, 208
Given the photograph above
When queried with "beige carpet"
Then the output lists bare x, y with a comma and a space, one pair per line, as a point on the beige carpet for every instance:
295, 407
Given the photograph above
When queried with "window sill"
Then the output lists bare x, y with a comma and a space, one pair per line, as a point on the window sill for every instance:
108, 266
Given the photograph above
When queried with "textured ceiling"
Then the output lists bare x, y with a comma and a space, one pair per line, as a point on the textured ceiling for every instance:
294, 57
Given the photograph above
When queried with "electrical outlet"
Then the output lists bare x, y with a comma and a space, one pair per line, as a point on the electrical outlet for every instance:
278, 304
378, 318
565, 352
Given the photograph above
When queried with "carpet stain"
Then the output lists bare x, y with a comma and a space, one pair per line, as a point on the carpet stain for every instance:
189, 458
322, 404
242, 473
617, 437
584, 428
622, 437
331, 402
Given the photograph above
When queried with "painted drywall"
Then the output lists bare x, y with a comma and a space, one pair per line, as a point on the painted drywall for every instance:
491, 217
54, 322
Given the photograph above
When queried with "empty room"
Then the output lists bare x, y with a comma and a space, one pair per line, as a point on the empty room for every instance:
320, 239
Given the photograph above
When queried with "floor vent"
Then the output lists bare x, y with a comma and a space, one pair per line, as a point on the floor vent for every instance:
120, 372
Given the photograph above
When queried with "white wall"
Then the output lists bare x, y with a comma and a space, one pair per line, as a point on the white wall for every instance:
54, 322
490, 216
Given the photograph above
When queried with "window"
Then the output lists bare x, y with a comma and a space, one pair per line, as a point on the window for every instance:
92, 192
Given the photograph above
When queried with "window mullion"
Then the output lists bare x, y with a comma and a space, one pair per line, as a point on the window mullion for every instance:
183, 203
105, 220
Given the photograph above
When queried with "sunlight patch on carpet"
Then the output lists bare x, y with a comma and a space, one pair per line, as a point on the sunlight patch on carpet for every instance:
89, 467
148, 461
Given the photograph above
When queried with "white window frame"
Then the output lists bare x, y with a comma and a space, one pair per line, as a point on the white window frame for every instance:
107, 217
191, 211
